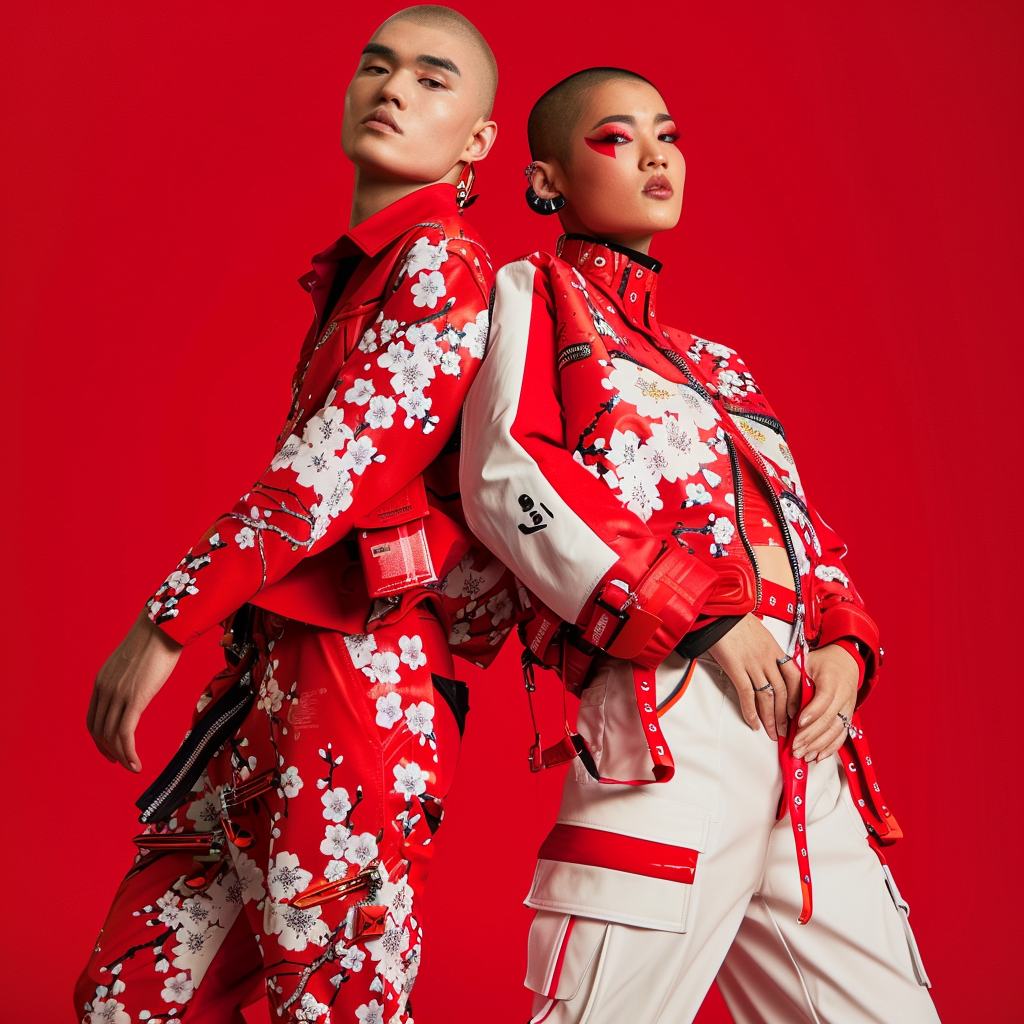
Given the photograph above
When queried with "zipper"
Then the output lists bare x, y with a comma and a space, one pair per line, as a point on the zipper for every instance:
737, 480
190, 761
758, 417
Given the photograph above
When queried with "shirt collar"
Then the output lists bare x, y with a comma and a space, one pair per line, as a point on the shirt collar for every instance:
630, 277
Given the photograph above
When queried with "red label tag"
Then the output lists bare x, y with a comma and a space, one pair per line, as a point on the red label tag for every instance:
396, 558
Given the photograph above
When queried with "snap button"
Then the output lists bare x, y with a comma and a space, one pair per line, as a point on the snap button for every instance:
632, 296
639, 273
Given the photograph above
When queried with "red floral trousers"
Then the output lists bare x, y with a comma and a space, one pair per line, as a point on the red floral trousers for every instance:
312, 831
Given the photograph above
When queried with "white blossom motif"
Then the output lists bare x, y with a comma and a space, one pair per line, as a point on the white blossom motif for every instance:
361, 849
361, 391
368, 342
411, 370
197, 942
350, 957
335, 870
678, 443
412, 651
417, 407
410, 780
248, 879
381, 411
640, 495
285, 878
723, 530
310, 1008
830, 573
697, 494
333, 843
389, 710
271, 695
205, 813
652, 394
295, 928
360, 648
459, 633
290, 783
428, 289
419, 719
108, 1011
370, 1013
177, 989
721, 352
387, 952
397, 896
358, 455
246, 537
336, 804
474, 334
424, 256
383, 668
500, 606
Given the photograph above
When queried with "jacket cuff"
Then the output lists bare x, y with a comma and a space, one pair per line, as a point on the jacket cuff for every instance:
846, 620
853, 648
645, 626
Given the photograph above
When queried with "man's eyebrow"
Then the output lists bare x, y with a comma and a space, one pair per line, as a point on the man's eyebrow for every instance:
380, 51
625, 118
439, 62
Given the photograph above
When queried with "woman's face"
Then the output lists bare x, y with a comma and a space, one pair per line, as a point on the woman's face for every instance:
624, 175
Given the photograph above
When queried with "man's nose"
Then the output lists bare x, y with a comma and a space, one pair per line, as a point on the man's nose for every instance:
394, 90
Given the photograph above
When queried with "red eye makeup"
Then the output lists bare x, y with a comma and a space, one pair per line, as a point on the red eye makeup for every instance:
607, 142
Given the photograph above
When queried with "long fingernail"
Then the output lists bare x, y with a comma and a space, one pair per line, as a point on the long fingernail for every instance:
798, 752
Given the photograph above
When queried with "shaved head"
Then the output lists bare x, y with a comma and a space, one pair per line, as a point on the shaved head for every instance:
444, 18
558, 111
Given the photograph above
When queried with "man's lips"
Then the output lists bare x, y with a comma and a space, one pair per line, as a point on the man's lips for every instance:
382, 121
658, 187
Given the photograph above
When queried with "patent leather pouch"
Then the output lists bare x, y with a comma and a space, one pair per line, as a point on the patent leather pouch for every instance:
393, 543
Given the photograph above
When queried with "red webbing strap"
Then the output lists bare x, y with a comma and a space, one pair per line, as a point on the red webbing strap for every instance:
794, 791
576, 844
883, 829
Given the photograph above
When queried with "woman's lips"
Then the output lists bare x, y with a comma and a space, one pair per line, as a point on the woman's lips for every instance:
659, 187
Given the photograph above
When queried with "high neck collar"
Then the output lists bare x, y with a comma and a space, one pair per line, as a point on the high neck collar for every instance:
629, 277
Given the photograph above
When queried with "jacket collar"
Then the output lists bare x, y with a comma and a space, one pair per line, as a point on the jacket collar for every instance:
628, 276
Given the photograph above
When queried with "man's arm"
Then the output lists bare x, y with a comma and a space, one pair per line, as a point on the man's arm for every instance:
388, 416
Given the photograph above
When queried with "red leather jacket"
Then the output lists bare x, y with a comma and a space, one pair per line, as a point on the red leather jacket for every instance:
398, 336
603, 468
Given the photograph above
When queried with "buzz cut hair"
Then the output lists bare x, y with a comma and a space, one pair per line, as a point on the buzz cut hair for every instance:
437, 16
558, 111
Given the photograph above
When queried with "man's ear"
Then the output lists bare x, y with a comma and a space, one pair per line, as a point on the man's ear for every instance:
544, 177
479, 145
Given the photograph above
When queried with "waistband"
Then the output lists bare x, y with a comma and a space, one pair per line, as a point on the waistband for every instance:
777, 602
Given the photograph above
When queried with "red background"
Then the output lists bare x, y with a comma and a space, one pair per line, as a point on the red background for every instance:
852, 222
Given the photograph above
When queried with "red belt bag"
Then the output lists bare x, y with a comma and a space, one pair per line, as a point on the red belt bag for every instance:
393, 542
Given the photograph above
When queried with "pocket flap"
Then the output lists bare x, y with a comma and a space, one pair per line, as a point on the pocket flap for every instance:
407, 504
561, 949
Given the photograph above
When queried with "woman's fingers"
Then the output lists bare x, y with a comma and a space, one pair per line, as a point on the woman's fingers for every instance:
791, 674
765, 697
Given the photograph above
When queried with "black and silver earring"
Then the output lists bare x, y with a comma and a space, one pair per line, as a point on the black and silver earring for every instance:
545, 207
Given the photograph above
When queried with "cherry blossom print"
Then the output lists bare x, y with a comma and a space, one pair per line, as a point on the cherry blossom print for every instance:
474, 334
205, 813
360, 648
246, 537
358, 455
310, 1008
381, 411
383, 668
680, 450
422, 256
649, 392
368, 341
417, 407
500, 606
720, 352
410, 780
290, 783
696, 494
335, 870
334, 841
423, 338
411, 371
412, 651
336, 804
736, 385
361, 849
247, 878
387, 953
389, 710
350, 957
723, 530
370, 1013
107, 1011
830, 573
459, 634
295, 928
285, 878
361, 391
419, 719
197, 942
397, 897
429, 289
640, 495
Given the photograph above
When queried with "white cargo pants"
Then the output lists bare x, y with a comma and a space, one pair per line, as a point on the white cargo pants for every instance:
609, 946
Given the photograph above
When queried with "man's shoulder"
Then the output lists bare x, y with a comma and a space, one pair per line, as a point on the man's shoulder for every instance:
445, 245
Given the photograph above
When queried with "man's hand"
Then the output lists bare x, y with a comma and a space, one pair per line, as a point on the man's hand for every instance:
821, 731
749, 656
124, 687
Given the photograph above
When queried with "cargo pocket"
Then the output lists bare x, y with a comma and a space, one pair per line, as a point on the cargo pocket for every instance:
564, 950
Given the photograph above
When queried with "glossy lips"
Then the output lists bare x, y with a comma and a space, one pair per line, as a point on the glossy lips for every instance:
658, 187
380, 120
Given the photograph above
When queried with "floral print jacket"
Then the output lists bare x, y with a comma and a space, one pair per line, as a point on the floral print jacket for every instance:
401, 304
613, 446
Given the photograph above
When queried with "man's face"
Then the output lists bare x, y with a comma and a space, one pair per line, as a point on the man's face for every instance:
625, 176
414, 104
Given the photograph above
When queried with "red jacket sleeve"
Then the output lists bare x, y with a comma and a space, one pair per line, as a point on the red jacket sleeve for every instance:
395, 403
559, 528
837, 610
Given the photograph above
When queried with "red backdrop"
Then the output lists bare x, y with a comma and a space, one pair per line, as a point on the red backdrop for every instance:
852, 222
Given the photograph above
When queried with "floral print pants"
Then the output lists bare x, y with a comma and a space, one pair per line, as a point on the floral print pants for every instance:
356, 752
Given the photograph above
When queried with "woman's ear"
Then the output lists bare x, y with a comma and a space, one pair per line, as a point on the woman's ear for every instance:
479, 145
544, 179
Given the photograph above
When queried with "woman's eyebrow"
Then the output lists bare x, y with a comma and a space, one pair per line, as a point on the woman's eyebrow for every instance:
663, 117
625, 118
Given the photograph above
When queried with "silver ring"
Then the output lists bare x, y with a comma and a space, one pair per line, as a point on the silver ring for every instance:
761, 689
782, 661
845, 721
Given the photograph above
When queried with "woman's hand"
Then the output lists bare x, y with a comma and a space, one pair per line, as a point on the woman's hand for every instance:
821, 731
124, 687
768, 691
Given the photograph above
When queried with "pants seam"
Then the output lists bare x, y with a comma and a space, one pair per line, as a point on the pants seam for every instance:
792, 959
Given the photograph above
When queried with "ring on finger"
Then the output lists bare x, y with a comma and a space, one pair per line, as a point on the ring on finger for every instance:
846, 723
761, 689
782, 661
